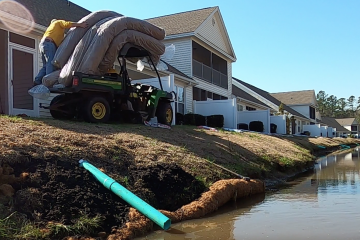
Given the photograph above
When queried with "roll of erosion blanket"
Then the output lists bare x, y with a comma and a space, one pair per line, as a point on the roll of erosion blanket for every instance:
107, 32
219, 193
74, 35
152, 45
76, 57
50, 79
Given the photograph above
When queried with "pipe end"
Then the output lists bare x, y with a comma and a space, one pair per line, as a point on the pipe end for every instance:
81, 162
167, 224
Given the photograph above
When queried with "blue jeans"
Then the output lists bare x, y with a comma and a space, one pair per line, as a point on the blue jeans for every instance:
47, 50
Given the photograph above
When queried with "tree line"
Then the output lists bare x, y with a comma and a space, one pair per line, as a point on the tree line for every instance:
331, 106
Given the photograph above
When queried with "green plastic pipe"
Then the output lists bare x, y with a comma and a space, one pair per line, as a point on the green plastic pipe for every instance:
136, 202
345, 146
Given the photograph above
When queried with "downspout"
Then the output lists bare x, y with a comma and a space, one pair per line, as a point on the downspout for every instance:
140, 205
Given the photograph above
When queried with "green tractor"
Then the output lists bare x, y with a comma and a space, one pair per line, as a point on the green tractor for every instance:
96, 98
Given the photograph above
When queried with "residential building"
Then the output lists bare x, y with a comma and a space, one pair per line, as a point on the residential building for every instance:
339, 129
350, 124
246, 102
203, 52
22, 25
266, 98
303, 102
202, 64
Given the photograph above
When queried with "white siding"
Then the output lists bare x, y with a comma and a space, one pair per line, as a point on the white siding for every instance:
212, 88
182, 59
251, 105
215, 34
304, 110
188, 99
40, 63
229, 74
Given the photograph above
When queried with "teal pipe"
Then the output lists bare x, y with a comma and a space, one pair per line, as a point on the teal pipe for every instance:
345, 146
319, 146
136, 202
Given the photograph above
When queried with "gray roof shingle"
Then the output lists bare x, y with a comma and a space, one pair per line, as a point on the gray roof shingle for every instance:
242, 94
176, 71
305, 97
185, 22
333, 123
43, 11
345, 121
270, 98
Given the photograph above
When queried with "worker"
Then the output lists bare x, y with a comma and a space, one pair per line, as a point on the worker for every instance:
50, 41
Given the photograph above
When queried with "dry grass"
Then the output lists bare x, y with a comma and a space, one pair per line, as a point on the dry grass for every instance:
194, 149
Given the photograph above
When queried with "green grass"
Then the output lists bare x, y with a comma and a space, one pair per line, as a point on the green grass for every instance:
124, 181
30, 231
210, 159
286, 161
13, 119
83, 225
301, 149
204, 181
13, 227
8, 228
251, 168
255, 135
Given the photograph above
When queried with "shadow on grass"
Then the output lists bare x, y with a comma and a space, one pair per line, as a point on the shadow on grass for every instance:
200, 143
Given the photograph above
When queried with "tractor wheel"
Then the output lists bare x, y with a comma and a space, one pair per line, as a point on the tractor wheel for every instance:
97, 110
61, 115
164, 113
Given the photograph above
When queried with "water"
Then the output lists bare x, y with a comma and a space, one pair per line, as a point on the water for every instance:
323, 205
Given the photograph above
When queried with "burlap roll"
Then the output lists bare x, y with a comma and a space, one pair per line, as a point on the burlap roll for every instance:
74, 35
107, 32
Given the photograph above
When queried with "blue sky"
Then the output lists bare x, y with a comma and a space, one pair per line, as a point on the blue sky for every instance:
280, 45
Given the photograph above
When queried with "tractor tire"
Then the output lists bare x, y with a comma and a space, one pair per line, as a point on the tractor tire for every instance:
58, 114
97, 110
164, 113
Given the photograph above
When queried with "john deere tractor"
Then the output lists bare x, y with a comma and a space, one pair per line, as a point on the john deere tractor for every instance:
97, 98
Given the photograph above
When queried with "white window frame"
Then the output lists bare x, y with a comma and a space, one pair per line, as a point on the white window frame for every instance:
176, 100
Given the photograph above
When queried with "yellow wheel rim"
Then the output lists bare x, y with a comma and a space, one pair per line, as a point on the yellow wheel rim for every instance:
169, 116
98, 110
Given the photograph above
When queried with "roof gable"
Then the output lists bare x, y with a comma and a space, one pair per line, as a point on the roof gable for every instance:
199, 23
333, 123
268, 96
346, 121
184, 22
244, 95
50, 9
306, 97
213, 30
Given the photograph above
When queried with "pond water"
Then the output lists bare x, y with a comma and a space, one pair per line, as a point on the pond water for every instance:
325, 204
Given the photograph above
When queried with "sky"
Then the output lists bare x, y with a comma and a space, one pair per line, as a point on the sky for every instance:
280, 45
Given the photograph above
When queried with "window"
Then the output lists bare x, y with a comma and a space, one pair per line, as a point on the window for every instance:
180, 100
209, 66
354, 128
240, 107
203, 95
196, 94
312, 112
250, 108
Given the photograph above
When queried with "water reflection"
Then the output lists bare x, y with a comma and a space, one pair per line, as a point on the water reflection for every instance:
322, 205
219, 225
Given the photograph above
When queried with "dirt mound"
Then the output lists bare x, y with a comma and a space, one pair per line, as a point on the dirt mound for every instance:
63, 192
57, 191
172, 186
